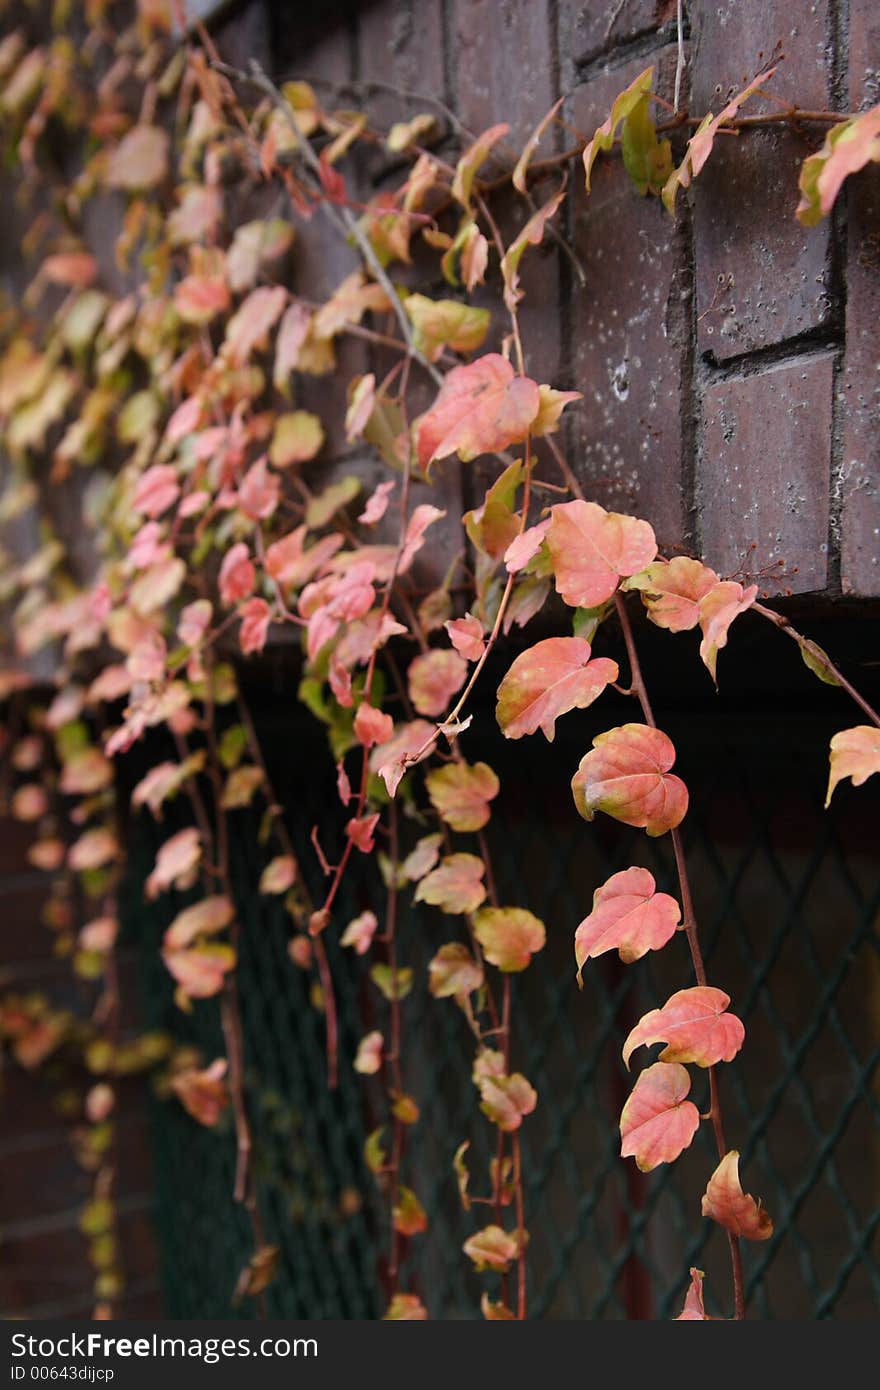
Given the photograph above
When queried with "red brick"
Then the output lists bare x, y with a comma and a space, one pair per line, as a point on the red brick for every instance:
859, 481
400, 44
761, 276
629, 327
764, 473
600, 24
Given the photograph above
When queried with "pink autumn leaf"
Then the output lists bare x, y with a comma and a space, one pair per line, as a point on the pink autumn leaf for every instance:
672, 591
157, 490
259, 491
360, 831
658, 1122
592, 550
360, 932
509, 936
525, 547
466, 636
237, 575
194, 621
551, 678
695, 1026
278, 875
368, 1058
256, 616
737, 1211
391, 760
628, 916
453, 972
461, 794
423, 516
140, 160
201, 970
626, 775
718, 609
481, 408
204, 918
372, 726
456, 885
176, 863
433, 678
855, 753
694, 1310
250, 325
93, 850
377, 503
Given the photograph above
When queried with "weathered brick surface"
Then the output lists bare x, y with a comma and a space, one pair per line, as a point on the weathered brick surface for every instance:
764, 471
600, 24
859, 478
629, 330
761, 277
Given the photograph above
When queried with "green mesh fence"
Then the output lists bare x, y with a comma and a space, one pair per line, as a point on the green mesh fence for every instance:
788, 900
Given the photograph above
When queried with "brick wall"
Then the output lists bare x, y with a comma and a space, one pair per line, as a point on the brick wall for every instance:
728, 359
44, 1270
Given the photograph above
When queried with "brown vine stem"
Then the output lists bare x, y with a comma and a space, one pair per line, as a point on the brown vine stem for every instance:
821, 658
691, 931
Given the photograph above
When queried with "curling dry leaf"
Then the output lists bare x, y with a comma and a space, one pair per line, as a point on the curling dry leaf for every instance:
456, 885
848, 147
522, 164
481, 408
551, 678
408, 1215
591, 550
532, 234
472, 161
695, 1026
855, 753
672, 591
509, 936
658, 1122
693, 1310
629, 916
627, 776
461, 794
737, 1211
718, 609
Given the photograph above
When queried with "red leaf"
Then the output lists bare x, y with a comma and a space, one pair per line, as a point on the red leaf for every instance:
591, 550
372, 726
628, 915
360, 832
237, 574
157, 490
627, 776
737, 1211
548, 680
466, 636
657, 1122
694, 1025
256, 616
480, 408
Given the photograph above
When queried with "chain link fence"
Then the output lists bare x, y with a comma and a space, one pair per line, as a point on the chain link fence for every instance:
788, 899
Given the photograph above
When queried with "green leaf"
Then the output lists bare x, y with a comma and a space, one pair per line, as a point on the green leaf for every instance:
624, 104
647, 160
